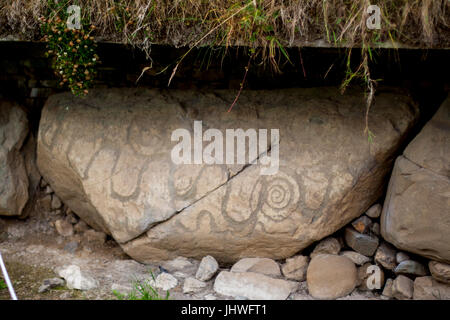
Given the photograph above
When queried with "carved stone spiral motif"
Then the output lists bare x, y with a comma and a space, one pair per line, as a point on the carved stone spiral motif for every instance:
277, 196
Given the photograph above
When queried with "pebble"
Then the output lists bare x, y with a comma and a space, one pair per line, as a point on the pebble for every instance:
295, 268
440, 271
328, 245
411, 267
253, 286
207, 269
402, 288
192, 285
50, 284
362, 224
76, 279
362, 243
259, 265
356, 257
386, 256
64, 228
331, 276
374, 211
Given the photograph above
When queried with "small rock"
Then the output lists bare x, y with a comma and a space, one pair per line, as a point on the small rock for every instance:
259, 265
210, 297
375, 228
362, 243
43, 183
331, 276
328, 245
356, 257
48, 190
386, 256
164, 281
401, 256
402, 288
81, 226
95, 236
71, 218
374, 211
56, 202
192, 285
45, 203
207, 268
50, 284
387, 291
71, 247
179, 263
367, 277
254, 286
64, 228
75, 279
411, 267
362, 224
295, 268
427, 288
440, 271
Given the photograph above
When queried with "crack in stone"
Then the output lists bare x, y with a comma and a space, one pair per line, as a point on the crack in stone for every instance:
247, 165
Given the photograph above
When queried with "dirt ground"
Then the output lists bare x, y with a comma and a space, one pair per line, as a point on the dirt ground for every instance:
33, 250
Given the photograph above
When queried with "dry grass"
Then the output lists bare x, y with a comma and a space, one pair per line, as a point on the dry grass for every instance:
422, 23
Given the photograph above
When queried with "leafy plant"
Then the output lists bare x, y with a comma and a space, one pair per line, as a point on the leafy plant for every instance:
142, 290
2, 284
73, 51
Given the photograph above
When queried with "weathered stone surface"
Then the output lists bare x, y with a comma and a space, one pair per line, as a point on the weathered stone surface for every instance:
402, 288
95, 236
363, 243
374, 211
356, 257
258, 265
440, 271
401, 256
427, 288
254, 286
375, 229
331, 276
48, 284
362, 224
192, 285
411, 267
387, 290
76, 279
64, 228
329, 245
295, 268
207, 269
164, 281
415, 215
56, 202
108, 158
13, 174
386, 256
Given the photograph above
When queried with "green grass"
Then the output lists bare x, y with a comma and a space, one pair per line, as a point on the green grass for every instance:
142, 290
2, 284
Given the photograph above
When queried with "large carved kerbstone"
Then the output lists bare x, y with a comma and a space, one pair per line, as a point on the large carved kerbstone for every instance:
13, 173
416, 212
108, 156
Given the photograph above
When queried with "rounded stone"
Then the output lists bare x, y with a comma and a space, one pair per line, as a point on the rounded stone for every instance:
331, 276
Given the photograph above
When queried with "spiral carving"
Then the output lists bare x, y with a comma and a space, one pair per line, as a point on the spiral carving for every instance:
278, 196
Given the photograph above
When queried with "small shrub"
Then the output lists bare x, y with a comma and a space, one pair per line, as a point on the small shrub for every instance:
73, 51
